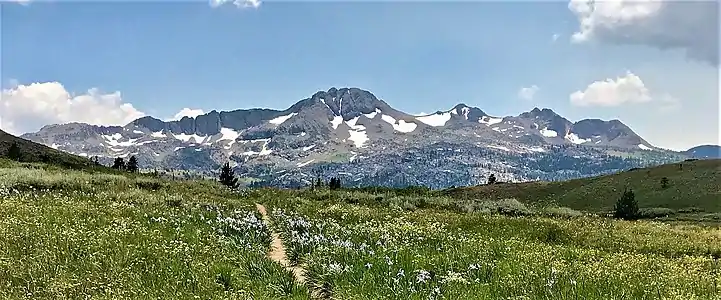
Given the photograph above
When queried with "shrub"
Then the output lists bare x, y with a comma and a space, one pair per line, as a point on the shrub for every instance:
509, 207
561, 212
655, 212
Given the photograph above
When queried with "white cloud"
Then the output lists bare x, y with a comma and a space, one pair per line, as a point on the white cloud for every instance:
688, 25
527, 93
555, 36
610, 92
25, 108
237, 3
186, 112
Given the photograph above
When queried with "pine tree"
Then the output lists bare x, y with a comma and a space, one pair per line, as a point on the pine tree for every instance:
492, 179
14, 152
119, 163
132, 165
664, 182
318, 183
227, 176
626, 207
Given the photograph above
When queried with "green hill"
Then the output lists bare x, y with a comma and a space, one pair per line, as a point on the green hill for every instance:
34, 152
691, 185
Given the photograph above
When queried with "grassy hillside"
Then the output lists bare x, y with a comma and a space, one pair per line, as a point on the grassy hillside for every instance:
34, 152
697, 184
69, 234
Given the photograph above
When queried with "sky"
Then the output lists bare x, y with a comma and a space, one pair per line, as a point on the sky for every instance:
654, 65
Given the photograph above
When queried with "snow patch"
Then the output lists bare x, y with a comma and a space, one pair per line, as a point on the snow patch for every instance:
498, 147
158, 134
337, 120
548, 133
573, 138
54, 146
400, 125
187, 137
178, 148
137, 131
644, 147
228, 134
306, 148
300, 165
359, 137
489, 120
281, 119
435, 120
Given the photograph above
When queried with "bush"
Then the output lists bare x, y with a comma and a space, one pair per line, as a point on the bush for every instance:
561, 212
508, 207
655, 212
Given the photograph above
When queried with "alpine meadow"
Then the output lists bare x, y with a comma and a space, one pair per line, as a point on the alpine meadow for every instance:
360, 150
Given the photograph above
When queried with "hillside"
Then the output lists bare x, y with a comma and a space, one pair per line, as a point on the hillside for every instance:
696, 185
70, 234
34, 152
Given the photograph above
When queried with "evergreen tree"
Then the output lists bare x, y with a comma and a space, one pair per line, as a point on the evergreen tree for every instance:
492, 179
318, 183
132, 165
626, 207
95, 160
14, 152
664, 182
334, 183
119, 163
227, 176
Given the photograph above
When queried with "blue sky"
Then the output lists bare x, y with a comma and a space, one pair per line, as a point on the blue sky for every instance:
418, 56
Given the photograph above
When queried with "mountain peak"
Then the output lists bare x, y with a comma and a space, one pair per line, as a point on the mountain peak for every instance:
348, 102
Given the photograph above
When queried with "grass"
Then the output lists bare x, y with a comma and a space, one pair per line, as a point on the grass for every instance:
361, 250
82, 235
697, 184
76, 235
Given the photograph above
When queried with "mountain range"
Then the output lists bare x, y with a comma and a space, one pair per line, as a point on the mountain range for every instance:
349, 132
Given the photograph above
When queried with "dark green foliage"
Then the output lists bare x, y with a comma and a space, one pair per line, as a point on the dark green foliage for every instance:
655, 212
95, 160
334, 183
626, 207
119, 163
14, 152
664, 182
227, 176
492, 179
132, 165
318, 183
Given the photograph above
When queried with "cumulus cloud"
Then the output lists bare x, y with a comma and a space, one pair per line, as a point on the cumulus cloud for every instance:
527, 93
689, 25
186, 112
25, 108
613, 92
237, 3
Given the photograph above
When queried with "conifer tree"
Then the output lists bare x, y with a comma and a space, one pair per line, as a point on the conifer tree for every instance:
119, 163
492, 179
664, 182
626, 207
227, 176
132, 165
14, 152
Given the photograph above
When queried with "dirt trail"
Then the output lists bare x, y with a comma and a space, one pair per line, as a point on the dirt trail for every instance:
277, 249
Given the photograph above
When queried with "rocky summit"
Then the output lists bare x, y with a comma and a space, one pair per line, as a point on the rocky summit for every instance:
351, 134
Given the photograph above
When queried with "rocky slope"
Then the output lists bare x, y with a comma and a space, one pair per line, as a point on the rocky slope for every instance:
350, 133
